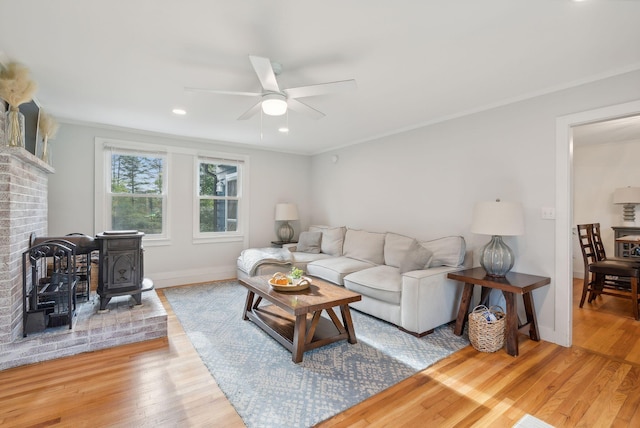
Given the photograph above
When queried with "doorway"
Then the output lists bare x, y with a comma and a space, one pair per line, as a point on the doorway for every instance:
564, 208
605, 158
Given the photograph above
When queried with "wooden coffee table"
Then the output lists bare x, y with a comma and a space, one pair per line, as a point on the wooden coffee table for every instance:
294, 318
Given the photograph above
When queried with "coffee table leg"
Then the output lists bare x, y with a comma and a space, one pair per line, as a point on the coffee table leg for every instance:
348, 323
463, 311
299, 333
248, 304
511, 335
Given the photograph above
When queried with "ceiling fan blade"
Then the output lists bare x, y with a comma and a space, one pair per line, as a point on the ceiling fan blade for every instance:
265, 73
321, 89
215, 91
303, 108
251, 112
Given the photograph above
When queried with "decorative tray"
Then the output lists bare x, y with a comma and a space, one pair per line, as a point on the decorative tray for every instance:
298, 285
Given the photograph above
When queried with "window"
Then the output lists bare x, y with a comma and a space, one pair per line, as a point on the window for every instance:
136, 192
219, 197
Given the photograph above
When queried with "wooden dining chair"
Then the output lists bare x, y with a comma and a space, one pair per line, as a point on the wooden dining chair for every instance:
613, 277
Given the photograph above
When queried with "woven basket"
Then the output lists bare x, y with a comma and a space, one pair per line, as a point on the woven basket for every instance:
485, 335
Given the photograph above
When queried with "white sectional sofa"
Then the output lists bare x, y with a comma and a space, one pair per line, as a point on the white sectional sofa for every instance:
401, 280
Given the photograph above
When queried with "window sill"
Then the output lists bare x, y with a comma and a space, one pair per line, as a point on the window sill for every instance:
156, 242
217, 239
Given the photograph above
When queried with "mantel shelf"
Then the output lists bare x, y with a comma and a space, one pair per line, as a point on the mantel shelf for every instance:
25, 156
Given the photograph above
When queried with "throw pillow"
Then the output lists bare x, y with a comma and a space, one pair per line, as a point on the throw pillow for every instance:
447, 251
395, 248
417, 257
309, 242
332, 240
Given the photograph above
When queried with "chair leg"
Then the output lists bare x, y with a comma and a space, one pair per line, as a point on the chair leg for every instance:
596, 286
634, 297
585, 288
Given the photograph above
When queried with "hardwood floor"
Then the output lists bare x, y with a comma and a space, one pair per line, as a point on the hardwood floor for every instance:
159, 383
594, 383
163, 383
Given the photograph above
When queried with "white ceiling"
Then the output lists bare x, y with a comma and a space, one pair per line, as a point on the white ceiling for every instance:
126, 62
621, 130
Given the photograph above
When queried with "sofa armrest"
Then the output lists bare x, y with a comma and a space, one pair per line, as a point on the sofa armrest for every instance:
429, 299
425, 273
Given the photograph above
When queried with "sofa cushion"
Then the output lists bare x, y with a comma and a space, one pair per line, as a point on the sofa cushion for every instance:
365, 246
301, 260
395, 248
447, 251
332, 239
309, 242
334, 269
416, 257
380, 282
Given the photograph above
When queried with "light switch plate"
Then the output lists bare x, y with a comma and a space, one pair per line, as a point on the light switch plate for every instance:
548, 213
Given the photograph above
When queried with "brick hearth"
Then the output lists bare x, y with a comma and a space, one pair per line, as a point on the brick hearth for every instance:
92, 330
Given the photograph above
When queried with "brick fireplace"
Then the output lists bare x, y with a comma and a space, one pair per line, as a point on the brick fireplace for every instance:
23, 205
23, 211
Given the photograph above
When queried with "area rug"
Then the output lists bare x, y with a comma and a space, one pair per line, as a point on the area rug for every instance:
267, 389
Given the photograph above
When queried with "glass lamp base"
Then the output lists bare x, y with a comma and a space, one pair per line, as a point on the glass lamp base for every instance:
285, 232
497, 258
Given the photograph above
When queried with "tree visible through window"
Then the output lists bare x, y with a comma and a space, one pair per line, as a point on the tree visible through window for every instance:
137, 192
218, 197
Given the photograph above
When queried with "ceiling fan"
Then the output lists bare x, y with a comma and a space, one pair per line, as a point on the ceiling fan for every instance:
275, 101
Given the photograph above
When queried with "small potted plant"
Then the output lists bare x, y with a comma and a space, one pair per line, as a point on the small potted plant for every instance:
295, 274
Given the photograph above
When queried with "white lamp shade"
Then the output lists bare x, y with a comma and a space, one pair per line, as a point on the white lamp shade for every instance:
626, 195
498, 218
274, 104
286, 212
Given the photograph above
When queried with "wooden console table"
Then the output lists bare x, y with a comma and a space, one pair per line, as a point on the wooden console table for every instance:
514, 283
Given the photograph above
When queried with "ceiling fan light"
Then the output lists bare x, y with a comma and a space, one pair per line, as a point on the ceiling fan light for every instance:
274, 104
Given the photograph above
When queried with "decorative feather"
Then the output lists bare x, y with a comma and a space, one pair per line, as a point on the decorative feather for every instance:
15, 85
48, 125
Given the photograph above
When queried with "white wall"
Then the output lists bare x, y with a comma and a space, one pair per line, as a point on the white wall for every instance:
273, 177
421, 183
599, 169
424, 183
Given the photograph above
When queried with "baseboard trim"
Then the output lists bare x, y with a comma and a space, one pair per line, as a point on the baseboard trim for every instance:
191, 276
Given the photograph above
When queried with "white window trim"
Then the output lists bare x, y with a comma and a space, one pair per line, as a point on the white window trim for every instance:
102, 214
240, 235
99, 188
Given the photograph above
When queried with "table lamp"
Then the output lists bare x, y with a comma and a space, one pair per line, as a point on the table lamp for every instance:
497, 219
286, 213
629, 197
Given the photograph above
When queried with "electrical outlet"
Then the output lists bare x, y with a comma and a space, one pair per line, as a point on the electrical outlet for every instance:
548, 213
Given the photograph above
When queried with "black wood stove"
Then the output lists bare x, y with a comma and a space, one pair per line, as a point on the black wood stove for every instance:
121, 266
